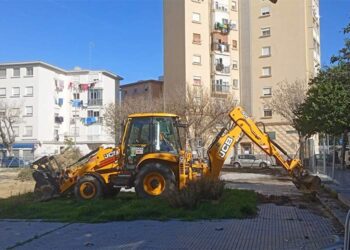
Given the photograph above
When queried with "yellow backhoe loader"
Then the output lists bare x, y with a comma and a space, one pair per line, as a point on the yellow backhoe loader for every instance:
150, 159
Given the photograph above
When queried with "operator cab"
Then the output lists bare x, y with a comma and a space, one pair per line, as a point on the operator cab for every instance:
150, 133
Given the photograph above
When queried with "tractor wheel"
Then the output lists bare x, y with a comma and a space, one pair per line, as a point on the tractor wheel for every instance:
88, 188
154, 179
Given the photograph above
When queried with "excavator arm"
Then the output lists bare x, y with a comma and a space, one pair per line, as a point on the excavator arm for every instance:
242, 124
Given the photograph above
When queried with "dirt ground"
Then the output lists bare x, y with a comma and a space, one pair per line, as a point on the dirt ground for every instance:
11, 185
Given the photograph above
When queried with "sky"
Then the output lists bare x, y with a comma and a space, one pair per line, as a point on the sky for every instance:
122, 36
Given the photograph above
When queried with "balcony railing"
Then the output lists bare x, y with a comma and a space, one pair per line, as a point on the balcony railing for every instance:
95, 102
220, 88
220, 7
221, 47
222, 68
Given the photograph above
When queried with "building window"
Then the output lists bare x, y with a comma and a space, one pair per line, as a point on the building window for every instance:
92, 113
15, 92
15, 131
29, 71
234, 64
2, 92
16, 72
196, 17
28, 111
221, 86
267, 91
196, 38
265, 11
266, 71
76, 96
28, 131
234, 6
235, 83
2, 73
15, 112
267, 112
272, 135
234, 44
196, 59
28, 91
197, 95
289, 132
266, 51
95, 97
197, 80
233, 25
265, 32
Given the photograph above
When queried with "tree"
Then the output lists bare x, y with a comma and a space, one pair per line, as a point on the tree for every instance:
9, 116
286, 100
115, 114
203, 114
326, 109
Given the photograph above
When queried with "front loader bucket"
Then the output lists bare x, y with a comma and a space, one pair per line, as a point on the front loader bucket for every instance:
308, 183
46, 187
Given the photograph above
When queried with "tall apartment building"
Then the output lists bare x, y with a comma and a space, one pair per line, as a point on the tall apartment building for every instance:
279, 42
201, 48
242, 48
56, 104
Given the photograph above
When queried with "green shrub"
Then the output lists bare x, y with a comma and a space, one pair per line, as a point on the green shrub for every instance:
195, 191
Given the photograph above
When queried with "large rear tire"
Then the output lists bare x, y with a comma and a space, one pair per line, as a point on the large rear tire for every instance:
154, 179
88, 188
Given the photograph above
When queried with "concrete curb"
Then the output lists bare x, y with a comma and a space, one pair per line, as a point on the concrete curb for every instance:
334, 205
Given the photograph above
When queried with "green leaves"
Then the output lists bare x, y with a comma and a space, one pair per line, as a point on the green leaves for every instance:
327, 106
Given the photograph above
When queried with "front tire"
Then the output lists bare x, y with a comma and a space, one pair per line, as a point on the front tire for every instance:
263, 165
236, 165
154, 179
88, 188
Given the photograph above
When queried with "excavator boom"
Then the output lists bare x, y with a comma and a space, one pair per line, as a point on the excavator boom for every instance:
242, 124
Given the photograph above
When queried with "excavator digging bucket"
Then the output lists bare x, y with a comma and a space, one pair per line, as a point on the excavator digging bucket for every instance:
308, 183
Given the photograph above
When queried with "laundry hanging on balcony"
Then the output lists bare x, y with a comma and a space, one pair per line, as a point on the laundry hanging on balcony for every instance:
89, 120
60, 101
84, 86
76, 103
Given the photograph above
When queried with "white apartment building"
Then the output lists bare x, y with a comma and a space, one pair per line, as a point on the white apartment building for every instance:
57, 104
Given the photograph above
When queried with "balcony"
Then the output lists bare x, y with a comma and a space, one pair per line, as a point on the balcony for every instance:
221, 88
221, 47
95, 102
220, 7
222, 68
224, 28
58, 119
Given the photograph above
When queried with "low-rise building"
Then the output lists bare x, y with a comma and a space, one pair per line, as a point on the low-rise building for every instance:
145, 89
57, 104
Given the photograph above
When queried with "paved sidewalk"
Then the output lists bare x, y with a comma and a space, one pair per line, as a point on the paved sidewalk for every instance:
340, 184
276, 227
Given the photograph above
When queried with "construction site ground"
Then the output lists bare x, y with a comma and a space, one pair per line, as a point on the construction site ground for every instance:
287, 219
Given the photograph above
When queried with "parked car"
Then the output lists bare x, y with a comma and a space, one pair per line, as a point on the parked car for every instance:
13, 162
249, 161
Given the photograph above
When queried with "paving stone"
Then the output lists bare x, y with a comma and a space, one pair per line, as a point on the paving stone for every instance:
276, 227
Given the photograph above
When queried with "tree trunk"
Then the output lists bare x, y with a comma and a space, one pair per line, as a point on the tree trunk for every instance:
301, 148
343, 147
